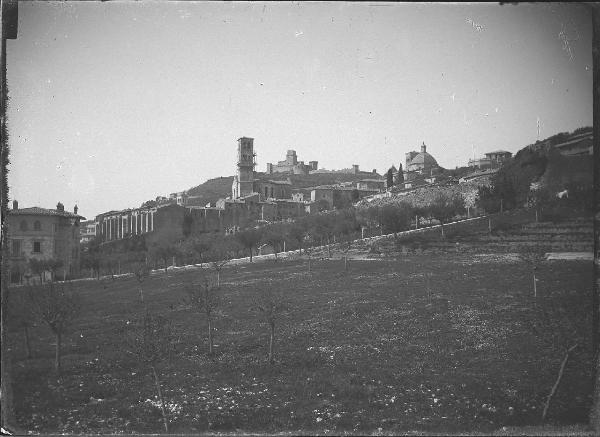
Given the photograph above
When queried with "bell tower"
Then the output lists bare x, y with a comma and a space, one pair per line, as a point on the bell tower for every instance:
244, 179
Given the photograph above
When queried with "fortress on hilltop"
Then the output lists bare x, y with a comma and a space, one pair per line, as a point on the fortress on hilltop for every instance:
292, 165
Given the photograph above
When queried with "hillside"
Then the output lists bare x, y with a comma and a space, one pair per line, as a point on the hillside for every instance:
210, 191
462, 345
423, 196
548, 163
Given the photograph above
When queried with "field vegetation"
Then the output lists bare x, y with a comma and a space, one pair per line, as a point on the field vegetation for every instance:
428, 340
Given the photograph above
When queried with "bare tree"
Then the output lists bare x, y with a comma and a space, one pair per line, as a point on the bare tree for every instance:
540, 200
346, 246
202, 298
444, 206
162, 245
37, 267
151, 340
274, 236
23, 316
249, 239
220, 253
199, 245
270, 307
532, 259
217, 266
296, 234
141, 271
53, 265
57, 306
308, 250
345, 226
427, 277
91, 260
396, 217
321, 226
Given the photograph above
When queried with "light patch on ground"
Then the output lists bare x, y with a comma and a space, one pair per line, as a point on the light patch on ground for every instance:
478, 332
503, 258
575, 256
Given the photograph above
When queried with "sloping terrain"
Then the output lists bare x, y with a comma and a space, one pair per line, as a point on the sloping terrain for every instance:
510, 233
421, 342
211, 190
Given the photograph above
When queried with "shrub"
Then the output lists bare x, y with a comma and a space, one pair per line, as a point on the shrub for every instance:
416, 240
501, 225
151, 340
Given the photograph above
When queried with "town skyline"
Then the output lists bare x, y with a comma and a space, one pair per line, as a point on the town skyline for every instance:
93, 113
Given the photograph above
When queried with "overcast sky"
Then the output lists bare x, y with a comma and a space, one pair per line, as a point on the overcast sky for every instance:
115, 103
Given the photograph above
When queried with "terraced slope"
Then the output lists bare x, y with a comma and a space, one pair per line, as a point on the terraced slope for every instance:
510, 234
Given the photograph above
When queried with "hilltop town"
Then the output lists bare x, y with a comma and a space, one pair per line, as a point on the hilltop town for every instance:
436, 265
287, 287
285, 192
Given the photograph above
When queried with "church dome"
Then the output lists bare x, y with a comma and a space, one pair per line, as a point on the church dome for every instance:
425, 159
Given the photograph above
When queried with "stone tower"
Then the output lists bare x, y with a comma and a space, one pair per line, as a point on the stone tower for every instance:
291, 158
243, 182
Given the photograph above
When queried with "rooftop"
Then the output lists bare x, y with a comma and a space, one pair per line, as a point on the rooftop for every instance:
497, 152
480, 173
423, 158
36, 210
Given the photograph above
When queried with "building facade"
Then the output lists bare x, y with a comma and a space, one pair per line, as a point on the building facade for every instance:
87, 231
491, 160
43, 234
339, 196
273, 189
371, 184
179, 198
116, 225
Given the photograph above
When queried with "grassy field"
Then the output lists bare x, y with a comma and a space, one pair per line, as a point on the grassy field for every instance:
367, 351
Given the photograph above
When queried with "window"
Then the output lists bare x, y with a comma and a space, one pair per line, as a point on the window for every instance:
37, 226
37, 247
23, 225
16, 247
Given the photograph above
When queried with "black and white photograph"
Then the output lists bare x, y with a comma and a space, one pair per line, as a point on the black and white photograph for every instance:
299, 218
